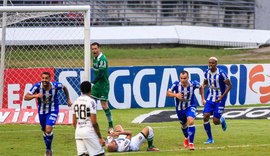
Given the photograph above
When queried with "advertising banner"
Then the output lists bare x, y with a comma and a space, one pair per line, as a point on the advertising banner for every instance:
146, 86
21, 82
30, 116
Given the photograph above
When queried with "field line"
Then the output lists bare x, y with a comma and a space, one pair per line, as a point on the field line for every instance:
64, 129
199, 148
33, 130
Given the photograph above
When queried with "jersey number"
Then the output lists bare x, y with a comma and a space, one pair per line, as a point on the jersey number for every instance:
80, 111
102, 64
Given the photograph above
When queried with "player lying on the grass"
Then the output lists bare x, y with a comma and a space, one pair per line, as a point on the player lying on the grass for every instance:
121, 140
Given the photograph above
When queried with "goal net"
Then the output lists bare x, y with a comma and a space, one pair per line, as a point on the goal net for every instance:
41, 38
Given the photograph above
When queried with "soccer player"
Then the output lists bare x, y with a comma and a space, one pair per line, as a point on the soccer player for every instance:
185, 105
218, 87
45, 92
87, 134
101, 85
121, 140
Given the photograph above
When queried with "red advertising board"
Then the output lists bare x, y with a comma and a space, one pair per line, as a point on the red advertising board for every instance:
15, 80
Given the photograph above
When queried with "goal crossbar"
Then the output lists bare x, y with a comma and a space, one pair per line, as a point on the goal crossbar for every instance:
44, 8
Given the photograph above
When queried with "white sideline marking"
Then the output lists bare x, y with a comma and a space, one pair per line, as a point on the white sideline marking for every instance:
199, 148
140, 118
31, 130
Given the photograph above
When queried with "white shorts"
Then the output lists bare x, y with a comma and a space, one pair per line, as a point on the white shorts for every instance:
87, 142
89, 146
136, 142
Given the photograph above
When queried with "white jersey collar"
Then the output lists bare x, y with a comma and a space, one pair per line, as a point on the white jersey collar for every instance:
100, 54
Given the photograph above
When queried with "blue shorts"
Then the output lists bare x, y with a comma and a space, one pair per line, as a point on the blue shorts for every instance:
183, 114
47, 119
214, 108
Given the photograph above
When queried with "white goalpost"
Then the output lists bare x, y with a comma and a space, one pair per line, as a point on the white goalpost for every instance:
39, 38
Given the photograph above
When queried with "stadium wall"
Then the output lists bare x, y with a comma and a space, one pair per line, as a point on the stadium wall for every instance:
193, 35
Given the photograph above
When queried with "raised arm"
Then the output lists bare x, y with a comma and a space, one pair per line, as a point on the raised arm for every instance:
127, 133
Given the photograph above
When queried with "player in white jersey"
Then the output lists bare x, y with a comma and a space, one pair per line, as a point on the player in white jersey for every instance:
87, 134
185, 105
46, 93
122, 141
218, 87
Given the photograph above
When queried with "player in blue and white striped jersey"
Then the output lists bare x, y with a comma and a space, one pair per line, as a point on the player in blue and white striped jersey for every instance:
45, 92
185, 105
218, 87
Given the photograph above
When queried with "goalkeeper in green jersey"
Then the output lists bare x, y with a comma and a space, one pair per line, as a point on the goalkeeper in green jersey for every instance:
101, 84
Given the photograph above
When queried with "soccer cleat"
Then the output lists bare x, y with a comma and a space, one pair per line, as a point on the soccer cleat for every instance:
152, 149
223, 123
48, 152
186, 142
191, 147
209, 141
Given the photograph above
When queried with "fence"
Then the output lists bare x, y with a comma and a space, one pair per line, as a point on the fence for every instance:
214, 13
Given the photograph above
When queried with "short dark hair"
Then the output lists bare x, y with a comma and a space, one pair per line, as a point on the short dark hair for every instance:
46, 73
85, 87
95, 43
184, 72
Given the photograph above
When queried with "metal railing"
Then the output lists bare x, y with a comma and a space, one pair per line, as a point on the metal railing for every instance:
214, 13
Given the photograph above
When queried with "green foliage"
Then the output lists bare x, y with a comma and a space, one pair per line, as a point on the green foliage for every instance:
243, 137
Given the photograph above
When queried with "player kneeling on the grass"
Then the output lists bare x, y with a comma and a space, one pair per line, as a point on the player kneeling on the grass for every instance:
87, 134
185, 105
122, 141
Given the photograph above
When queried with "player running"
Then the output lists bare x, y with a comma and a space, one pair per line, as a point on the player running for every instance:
218, 87
185, 105
45, 92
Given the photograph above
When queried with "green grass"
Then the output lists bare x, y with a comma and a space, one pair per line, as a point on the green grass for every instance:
73, 56
243, 137
180, 56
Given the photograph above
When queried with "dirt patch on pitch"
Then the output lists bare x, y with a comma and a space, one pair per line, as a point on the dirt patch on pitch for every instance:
254, 55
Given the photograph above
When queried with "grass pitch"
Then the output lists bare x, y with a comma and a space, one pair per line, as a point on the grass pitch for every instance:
243, 137
73, 57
